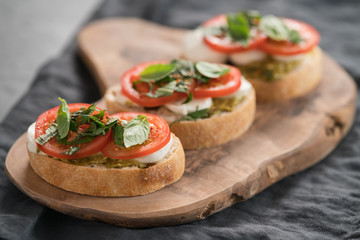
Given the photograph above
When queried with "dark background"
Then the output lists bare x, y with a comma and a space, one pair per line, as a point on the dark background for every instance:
322, 202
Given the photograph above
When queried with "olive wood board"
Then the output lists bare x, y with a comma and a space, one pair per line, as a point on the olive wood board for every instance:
285, 138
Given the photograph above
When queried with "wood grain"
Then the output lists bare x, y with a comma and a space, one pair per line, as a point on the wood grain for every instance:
285, 138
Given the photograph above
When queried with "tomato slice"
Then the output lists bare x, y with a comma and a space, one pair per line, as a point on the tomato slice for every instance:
219, 87
127, 89
159, 136
55, 149
225, 44
308, 33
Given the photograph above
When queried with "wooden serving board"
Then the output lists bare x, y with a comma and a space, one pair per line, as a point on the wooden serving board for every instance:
285, 138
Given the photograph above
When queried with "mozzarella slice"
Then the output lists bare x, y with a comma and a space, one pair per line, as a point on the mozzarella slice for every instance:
30, 140
121, 99
243, 58
195, 49
243, 91
192, 106
156, 156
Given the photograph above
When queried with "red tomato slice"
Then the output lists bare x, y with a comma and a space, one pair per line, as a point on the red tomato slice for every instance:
143, 100
219, 87
159, 136
55, 149
308, 33
226, 45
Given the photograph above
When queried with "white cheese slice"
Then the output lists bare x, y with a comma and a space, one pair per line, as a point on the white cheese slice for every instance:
192, 106
30, 140
243, 91
195, 49
156, 156
243, 58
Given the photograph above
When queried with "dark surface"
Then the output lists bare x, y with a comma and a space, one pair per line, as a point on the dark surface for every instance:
322, 202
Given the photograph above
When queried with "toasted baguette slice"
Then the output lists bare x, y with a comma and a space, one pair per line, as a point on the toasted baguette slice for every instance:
111, 182
201, 133
295, 84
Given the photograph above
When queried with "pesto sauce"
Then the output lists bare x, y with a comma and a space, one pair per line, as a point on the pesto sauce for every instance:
220, 105
268, 69
101, 160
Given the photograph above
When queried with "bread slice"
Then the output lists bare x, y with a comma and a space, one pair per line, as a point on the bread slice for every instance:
111, 182
201, 133
295, 84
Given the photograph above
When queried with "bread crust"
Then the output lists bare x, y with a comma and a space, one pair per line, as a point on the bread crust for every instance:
111, 182
206, 132
297, 83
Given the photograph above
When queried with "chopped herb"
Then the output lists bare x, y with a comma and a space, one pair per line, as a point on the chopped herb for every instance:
99, 125
294, 36
189, 98
71, 151
51, 132
193, 116
177, 76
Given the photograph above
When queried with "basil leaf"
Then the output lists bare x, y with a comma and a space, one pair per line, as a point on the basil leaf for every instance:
49, 133
72, 150
238, 27
211, 70
118, 135
156, 72
136, 131
274, 28
63, 119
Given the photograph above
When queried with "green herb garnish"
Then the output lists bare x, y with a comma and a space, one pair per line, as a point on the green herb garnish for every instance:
134, 132
211, 70
71, 151
67, 122
156, 72
177, 76
238, 27
63, 119
193, 116
276, 29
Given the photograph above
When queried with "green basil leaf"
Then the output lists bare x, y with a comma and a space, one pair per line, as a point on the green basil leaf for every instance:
136, 131
51, 132
156, 72
274, 28
118, 135
63, 119
211, 70
72, 150
238, 27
